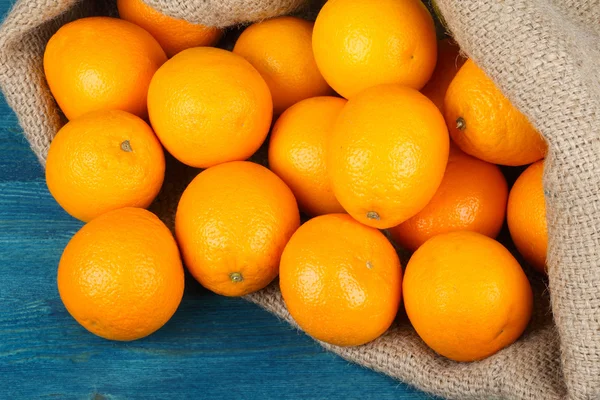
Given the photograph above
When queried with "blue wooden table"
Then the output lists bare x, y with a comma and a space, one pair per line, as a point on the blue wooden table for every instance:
214, 347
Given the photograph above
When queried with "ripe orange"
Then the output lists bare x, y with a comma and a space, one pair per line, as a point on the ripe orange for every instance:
101, 63
232, 224
341, 280
472, 196
466, 295
449, 61
527, 216
102, 161
174, 35
281, 50
358, 44
387, 155
484, 124
121, 276
297, 152
209, 106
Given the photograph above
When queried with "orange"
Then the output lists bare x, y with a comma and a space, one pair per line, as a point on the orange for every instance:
466, 295
297, 152
232, 224
101, 63
449, 61
527, 216
121, 276
103, 161
281, 50
341, 280
472, 197
209, 106
485, 125
358, 44
174, 35
387, 155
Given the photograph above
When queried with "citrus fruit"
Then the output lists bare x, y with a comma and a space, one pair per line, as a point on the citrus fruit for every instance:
358, 44
209, 106
526, 216
121, 276
466, 295
472, 196
387, 155
281, 50
174, 35
341, 280
102, 161
449, 61
232, 223
297, 152
101, 63
485, 125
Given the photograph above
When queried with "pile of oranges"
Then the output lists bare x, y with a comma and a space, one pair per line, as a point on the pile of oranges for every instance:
382, 135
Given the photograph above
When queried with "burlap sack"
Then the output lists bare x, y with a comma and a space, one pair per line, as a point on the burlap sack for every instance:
545, 56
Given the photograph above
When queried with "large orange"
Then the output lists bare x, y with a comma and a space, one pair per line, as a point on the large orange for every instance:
297, 152
466, 295
102, 161
174, 35
121, 276
449, 61
232, 224
485, 124
527, 216
101, 63
209, 106
281, 50
358, 44
387, 155
472, 196
341, 280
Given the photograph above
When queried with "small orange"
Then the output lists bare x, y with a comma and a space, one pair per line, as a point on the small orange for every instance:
449, 61
341, 280
472, 196
527, 216
232, 224
102, 161
485, 125
281, 50
358, 44
466, 295
174, 35
387, 155
297, 152
209, 106
101, 63
121, 275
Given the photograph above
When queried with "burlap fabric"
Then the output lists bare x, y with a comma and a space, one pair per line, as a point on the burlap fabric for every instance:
545, 56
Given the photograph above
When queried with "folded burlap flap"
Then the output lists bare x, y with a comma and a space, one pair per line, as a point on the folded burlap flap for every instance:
545, 56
